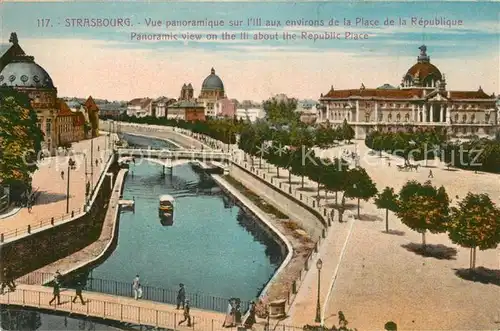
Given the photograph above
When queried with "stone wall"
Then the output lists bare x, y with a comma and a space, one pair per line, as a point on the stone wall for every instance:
289, 206
39, 249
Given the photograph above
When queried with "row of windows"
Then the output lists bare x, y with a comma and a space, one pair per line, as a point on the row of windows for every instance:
405, 105
340, 116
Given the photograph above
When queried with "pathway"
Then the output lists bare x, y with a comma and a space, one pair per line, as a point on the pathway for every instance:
48, 180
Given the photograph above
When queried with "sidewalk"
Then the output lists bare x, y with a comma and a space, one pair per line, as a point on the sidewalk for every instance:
52, 187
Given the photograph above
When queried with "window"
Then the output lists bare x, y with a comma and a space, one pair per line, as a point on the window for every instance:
407, 117
48, 126
487, 117
464, 118
380, 117
389, 117
464, 130
367, 117
456, 117
398, 117
473, 118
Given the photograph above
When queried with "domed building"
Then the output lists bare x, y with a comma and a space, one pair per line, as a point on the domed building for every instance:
22, 73
25, 75
212, 92
421, 101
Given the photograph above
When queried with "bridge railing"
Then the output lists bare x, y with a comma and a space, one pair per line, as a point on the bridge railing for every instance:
169, 296
111, 310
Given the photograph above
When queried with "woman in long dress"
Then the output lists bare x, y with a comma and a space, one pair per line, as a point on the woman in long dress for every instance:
229, 320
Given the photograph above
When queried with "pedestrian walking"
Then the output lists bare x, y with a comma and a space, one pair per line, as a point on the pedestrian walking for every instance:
78, 292
96, 162
342, 320
136, 286
98, 148
187, 316
7, 280
56, 292
250, 321
430, 174
62, 174
181, 296
29, 207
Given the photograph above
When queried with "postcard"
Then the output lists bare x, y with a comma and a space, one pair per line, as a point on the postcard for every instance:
261, 165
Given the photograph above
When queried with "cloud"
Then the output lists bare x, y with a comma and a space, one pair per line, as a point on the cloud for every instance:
86, 67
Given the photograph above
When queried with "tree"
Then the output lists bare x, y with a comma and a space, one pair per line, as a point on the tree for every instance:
360, 186
423, 208
20, 141
347, 131
475, 223
387, 200
281, 112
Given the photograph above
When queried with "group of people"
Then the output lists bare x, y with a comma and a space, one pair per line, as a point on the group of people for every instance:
233, 315
181, 299
7, 280
57, 290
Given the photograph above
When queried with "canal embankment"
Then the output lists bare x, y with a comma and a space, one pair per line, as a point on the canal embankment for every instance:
295, 243
93, 253
47, 245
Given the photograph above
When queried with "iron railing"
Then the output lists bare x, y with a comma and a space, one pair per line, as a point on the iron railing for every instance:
38, 225
138, 314
125, 289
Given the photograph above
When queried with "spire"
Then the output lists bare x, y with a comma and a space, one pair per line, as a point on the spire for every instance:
13, 38
331, 88
423, 57
480, 89
213, 71
362, 86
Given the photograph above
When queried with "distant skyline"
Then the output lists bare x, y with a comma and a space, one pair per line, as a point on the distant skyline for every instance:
106, 64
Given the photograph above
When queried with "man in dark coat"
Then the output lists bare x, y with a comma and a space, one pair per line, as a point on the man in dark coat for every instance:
181, 296
187, 316
56, 292
78, 293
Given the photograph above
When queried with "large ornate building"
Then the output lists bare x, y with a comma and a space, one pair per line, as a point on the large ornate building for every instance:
22, 73
422, 100
212, 91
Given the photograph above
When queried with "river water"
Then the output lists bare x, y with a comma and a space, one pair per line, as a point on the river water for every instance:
213, 247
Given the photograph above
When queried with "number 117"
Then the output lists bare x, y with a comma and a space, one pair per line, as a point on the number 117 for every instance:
43, 22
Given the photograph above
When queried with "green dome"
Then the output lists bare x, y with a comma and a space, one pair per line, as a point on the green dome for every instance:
212, 82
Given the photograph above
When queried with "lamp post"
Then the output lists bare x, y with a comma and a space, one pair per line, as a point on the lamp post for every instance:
70, 164
319, 265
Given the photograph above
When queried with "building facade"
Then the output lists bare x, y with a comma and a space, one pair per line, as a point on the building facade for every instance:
93, 116
421, 101
25, 75
186, 110
212, 90
70, 125
250, 114
140, 107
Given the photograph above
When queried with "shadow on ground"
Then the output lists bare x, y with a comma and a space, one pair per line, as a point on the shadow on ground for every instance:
369, 218
307, 189
395, 232
480, 274
440, 252
46, 198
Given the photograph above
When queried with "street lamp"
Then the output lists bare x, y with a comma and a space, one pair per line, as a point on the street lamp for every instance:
319, 265
70, 165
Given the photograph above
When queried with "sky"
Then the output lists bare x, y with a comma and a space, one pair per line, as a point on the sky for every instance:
107, 63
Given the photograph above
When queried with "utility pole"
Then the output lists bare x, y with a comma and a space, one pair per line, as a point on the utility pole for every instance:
67, 187
92, 163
